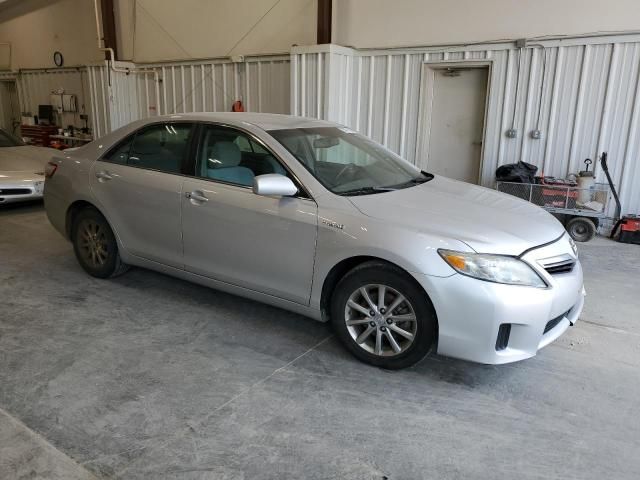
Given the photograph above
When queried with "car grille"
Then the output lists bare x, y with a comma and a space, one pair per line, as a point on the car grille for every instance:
14, 191
551, 324
503, 336
560, 267
557, 265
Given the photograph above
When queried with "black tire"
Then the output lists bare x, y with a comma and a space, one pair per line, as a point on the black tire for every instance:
109, 263
381, 273
581, 229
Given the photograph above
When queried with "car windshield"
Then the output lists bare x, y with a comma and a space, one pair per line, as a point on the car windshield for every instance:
8, 140
348, 163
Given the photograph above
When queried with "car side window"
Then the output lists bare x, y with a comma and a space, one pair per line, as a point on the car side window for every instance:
161, 147
232, 156
246, 144
120, 154
243, 143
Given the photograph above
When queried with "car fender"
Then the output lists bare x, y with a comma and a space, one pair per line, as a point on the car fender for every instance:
344, 234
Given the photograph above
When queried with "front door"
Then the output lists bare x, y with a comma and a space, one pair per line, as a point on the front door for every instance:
457, 123
266, 244
139, 184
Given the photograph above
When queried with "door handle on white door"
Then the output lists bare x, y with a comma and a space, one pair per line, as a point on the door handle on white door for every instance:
103, 176
196, 197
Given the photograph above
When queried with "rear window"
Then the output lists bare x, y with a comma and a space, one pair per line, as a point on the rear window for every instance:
159, 147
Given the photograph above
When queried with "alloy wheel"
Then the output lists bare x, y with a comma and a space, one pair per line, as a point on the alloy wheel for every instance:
93, 243
380, 320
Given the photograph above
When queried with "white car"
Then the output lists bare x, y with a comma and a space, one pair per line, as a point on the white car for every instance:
21, 169
318, 219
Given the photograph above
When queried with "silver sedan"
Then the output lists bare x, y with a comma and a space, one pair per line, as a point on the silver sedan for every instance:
315, 218
21, 169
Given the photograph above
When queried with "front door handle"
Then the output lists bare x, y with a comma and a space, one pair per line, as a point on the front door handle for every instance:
103, 176
196, 197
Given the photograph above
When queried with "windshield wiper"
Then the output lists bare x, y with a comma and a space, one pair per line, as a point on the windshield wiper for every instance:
369, 190
414, 181
366, 191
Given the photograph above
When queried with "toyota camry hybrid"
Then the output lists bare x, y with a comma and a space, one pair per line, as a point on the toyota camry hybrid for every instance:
315, 218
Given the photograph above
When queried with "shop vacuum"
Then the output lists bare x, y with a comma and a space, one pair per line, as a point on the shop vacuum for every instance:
627, 228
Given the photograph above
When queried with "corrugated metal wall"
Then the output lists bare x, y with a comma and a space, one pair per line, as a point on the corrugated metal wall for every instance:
582, 93
113, 97
100, 78
7, 117
262, 83
35, 87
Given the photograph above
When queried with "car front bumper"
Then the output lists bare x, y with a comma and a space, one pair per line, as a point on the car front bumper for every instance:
12, 192
470, 311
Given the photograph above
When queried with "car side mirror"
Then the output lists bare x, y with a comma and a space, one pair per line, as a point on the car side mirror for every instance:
274, 184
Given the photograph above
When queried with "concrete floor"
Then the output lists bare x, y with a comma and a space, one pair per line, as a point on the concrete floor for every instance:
146, 376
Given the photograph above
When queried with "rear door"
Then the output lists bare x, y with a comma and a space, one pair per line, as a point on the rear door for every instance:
266, 244
138, 186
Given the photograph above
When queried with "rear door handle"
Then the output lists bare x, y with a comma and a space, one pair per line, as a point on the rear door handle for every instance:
103, 176
196, 197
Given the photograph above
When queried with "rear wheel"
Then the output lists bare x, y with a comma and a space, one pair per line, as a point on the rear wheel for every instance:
95, 245
382, 316
581, 229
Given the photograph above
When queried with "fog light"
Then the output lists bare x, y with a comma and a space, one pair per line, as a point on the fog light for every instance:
503, 336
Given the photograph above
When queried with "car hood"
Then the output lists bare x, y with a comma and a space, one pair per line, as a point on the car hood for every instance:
25, 158
14, 178
486, 220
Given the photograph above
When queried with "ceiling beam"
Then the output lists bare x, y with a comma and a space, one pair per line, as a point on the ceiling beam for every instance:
324, 21
109, 27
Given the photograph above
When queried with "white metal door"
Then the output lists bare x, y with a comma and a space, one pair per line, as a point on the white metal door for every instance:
457, 123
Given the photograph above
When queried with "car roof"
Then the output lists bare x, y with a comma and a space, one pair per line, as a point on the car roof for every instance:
265, 121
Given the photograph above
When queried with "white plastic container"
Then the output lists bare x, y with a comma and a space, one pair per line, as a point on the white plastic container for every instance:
586, 182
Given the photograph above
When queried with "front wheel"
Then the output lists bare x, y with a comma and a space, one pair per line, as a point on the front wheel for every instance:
382, 316
95, 245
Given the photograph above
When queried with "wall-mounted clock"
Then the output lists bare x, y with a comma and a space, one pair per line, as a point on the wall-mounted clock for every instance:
58, 59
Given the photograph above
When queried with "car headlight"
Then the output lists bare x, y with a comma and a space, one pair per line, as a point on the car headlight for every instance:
574, 247
493, 268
